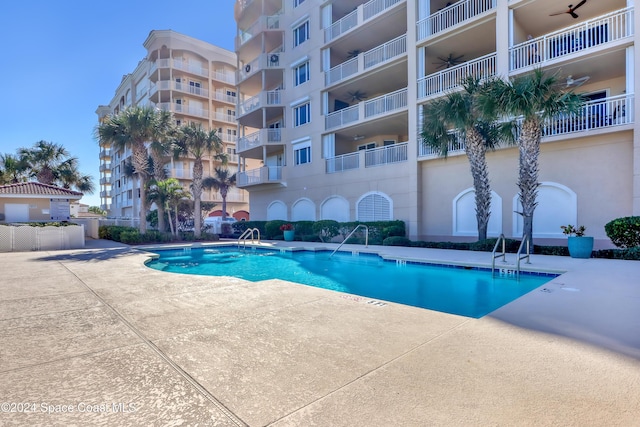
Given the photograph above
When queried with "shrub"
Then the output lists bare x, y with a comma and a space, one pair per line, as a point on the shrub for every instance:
304, 227
272, 229
396, 241
326, 229
130, 236
624, 232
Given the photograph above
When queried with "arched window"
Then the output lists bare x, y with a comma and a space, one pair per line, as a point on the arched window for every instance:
335, 208
277, 210
464, 214
303, 210
557, 205
374, 206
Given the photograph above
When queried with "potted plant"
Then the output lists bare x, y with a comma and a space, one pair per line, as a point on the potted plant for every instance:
580, 246
288, 231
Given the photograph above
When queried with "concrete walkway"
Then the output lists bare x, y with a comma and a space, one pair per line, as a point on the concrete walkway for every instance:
92, 337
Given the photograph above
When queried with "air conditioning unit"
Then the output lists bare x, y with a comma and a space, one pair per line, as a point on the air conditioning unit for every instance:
274, 58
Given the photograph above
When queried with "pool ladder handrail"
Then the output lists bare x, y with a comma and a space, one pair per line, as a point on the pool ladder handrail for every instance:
366, 238
249, 232
503, 254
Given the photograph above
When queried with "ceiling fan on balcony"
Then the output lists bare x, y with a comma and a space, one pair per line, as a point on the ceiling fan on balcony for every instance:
571, 82
449, 61
356, 95
571, 10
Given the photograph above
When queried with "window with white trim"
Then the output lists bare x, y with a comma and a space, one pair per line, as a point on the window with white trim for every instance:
301, 34
301, 151
374, 207
302, 114
301, 73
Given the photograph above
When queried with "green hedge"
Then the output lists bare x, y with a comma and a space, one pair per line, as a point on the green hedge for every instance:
624, 232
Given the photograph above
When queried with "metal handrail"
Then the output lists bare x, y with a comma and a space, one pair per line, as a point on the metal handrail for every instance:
521, 257
503, 254
366, 238
249, 232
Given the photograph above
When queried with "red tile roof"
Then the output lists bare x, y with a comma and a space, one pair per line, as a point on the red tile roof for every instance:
37, 189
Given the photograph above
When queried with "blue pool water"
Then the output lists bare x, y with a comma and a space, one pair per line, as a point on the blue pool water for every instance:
467, 292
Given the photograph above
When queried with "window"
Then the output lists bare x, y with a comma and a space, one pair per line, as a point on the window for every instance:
302, 155
302, 114
297, 3
367, 146
301, 73
301, 34
194, 87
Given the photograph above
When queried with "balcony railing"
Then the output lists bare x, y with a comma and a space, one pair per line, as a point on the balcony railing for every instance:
594, 32
224, 77
262, 24
224, 117
263, 175
445, 80
373, 157
599, 114
105, 153
366, 60
374, 107
262, 62
179, 64
450, 16
271, 98
105, 167
260, 138
222, 96
180, 173
183, 109
361, 14
178, 86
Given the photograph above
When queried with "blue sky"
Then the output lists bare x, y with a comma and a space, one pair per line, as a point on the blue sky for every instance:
61, 59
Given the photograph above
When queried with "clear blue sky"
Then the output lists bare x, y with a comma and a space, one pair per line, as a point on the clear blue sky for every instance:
61, 59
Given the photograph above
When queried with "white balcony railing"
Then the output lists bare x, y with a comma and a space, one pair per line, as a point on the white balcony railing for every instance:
183, 109
270, 98
260, 138
342, 117
224, 77
180, 173
452, 15
222, 96
371, 58
594, 32
342, 162
224, 117
595, 115
261, 175
193, 67
386, 155
262, 24
178, 86
386, 103
262, 62
105, 167
445, 80
368, 10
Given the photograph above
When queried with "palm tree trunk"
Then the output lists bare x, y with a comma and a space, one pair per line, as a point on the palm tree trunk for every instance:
476, 153
159, 175
223, 194
140, 163
196, 188
529, 146
170, 223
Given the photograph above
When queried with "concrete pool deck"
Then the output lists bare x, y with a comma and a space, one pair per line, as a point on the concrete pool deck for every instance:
92, 337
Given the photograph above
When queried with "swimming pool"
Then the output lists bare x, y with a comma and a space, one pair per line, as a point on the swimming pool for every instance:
467, 291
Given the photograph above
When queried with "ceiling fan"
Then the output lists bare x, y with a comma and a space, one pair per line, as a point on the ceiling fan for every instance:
449, 61
571, 82
571, 11
356, 95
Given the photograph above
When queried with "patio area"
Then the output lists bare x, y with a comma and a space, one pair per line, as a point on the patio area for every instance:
93, 337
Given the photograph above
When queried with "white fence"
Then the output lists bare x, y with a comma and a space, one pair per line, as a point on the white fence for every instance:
21, 238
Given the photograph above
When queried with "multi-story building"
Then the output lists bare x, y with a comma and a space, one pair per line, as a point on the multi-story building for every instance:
196, 82
331, 95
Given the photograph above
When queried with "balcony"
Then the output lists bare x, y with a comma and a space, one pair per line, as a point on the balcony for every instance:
184, 109
452, 15
224, 117
224, 77
263, 175
263, 99
178, 86
442, 81
105, 153
390, 154
234, 196
602, 114
179, 64
225, 137
584, 36
105, 181
264, 23
261, 138
363, 13
223, 97
265, 61
179, 174
367, 60
105, 167
366, 110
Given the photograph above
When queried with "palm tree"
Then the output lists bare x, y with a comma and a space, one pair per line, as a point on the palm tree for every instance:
44, 159
165, 193
534, 98
69, 176
13, 169
132, 128
461, 111
194, 141
222, 181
